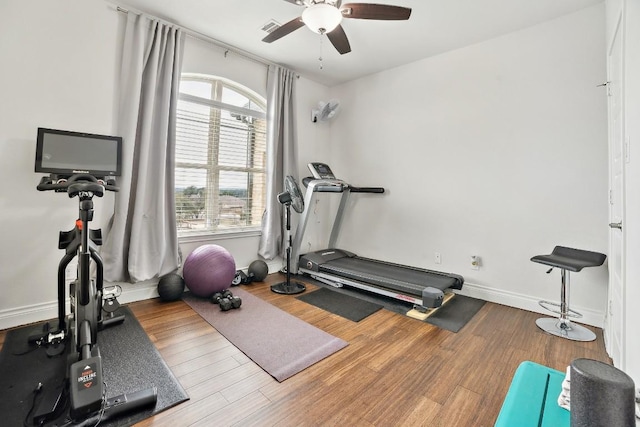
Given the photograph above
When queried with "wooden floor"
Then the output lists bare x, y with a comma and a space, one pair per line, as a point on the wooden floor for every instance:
395, 371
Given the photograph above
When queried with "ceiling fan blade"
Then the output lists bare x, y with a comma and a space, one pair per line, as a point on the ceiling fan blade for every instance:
283, 30
375, 11
339, 40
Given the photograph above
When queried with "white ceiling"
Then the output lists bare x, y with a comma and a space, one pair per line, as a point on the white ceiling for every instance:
435, 26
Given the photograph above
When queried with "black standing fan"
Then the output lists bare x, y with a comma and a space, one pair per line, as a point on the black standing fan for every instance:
290, 197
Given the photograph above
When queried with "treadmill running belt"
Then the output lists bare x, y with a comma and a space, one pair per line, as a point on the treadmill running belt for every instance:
400, 278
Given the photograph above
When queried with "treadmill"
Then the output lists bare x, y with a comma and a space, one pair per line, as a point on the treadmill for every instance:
336, 267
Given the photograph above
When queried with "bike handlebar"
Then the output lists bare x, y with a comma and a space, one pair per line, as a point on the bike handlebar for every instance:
76, 184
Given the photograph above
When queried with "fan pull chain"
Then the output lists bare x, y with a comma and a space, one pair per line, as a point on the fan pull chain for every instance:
320, 57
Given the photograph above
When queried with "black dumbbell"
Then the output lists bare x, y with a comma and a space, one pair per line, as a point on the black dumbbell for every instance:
235, 301
224, 303
240, 278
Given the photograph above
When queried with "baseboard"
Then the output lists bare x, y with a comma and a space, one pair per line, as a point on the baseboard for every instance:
19, 316
25, 315
526, 302
146, 290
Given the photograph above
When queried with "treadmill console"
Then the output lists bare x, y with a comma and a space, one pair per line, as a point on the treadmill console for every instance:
321, 171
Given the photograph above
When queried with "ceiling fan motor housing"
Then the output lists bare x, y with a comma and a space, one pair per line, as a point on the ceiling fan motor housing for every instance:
322, 18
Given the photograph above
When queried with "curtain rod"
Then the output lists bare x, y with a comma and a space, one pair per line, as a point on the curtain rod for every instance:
200, 36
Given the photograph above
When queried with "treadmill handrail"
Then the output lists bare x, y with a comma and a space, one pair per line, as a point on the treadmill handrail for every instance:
377, 190
324, 186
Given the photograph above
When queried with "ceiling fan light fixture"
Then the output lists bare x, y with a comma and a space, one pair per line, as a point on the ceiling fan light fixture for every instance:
321, 18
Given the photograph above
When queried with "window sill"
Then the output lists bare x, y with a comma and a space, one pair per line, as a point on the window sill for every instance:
221, 235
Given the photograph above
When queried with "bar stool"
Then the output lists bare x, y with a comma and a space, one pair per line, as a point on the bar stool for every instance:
567, 259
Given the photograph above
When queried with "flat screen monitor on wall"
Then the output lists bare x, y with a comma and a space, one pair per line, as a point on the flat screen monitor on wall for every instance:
65, 153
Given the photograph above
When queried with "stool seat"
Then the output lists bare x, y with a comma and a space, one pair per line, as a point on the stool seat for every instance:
567, 260
570, 259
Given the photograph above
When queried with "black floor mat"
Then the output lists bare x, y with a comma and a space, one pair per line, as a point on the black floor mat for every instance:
130, 363
452, 316
347, 306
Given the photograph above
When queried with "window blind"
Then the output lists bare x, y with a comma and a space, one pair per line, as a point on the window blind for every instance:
220, 183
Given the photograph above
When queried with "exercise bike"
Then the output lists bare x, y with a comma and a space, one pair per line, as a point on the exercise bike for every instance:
93, 308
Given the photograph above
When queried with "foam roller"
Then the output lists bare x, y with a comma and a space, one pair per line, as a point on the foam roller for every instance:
601, 395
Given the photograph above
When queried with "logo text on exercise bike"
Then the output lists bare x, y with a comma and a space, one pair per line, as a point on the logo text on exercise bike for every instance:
87, 377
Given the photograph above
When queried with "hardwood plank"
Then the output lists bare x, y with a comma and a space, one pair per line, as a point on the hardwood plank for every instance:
463, 408
208, 372
188, 414
228, 379
235, 412
244, 387
192, 349
196, 363
424, 413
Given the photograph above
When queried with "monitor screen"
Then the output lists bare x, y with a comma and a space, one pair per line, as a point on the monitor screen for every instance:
66, 153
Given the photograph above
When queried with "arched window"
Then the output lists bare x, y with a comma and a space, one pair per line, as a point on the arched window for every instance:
220, 156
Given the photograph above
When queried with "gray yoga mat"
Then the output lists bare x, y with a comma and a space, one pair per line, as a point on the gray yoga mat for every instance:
278, 342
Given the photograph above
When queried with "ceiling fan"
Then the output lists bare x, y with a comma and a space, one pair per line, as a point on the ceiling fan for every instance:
325, 16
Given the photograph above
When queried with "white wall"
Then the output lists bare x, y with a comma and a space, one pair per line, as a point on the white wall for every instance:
58, 70
498, 150
60, 66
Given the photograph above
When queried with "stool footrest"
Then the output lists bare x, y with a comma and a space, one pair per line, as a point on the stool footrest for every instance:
548, 304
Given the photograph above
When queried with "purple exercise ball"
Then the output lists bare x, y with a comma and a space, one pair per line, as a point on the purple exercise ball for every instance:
208, 269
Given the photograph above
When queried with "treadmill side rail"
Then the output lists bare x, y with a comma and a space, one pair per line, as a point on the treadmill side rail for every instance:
339, 282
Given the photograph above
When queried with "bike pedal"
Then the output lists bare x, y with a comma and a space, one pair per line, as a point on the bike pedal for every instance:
55, 349
110, 305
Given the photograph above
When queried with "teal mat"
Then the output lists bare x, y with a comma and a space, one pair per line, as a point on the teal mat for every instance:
532, 399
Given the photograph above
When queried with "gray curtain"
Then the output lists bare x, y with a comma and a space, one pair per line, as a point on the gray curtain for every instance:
142, 241
281, 155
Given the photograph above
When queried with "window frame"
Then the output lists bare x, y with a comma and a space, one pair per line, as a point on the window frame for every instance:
218, 84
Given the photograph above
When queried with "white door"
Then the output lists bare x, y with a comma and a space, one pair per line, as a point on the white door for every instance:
615, 325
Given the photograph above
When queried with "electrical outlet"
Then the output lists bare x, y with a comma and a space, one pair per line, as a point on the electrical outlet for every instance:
475, 262
437, 258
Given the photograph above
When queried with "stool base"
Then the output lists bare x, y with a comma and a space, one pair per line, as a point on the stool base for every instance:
565, 329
